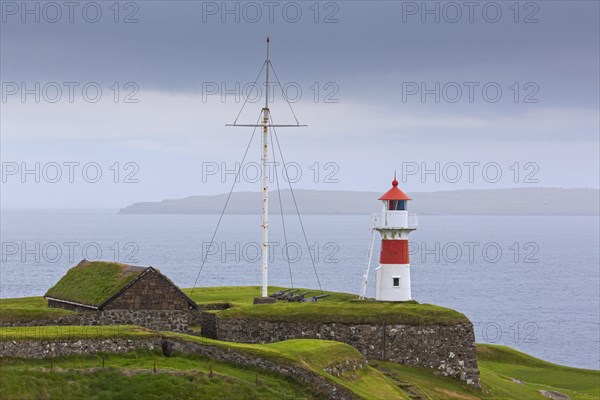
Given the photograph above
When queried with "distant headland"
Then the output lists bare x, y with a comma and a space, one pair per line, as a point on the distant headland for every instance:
517, 201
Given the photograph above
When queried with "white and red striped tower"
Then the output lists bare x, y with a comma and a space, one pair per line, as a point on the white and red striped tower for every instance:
394, 224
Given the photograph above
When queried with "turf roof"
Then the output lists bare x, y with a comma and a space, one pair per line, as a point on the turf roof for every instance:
93, 282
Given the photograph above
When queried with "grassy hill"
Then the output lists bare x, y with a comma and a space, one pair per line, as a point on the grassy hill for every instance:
178, 375
130, 377
505, 373
338, 307
25, 309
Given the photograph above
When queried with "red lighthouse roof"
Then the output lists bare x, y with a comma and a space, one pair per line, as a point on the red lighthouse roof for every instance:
394, 193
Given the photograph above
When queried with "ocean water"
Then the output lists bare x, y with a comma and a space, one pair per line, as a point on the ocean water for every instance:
532, 283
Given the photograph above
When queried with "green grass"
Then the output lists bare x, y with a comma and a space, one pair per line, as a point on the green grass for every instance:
315, 355
338, 307
358, 312
93, 282
426, 384
311, 354
182, 376
244, 295
499, 366
129, 376
27, 309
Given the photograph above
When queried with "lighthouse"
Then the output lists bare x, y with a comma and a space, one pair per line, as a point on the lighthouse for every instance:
394, 224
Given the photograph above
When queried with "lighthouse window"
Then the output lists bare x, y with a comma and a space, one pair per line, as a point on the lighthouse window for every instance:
396, 281
397, 205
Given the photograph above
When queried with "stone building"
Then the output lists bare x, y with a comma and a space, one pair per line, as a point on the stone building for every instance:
99, 285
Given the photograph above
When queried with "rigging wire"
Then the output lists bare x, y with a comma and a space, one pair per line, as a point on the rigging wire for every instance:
287, 251
297, 210
226, 203
246, 99
283, 93
273, 133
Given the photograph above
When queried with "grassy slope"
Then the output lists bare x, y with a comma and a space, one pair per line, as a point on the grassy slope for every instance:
27, 309
338, 307
499, 366
311, 354
129, 376
91, 283
500, 363
315, 355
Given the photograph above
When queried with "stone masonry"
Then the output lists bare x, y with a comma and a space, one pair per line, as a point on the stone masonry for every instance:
175, 321
447, 349
150, 292
47, 349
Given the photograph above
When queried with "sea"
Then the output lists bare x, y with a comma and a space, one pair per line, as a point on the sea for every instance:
529, 282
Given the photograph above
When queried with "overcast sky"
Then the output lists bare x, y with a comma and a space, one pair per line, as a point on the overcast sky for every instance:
384, 86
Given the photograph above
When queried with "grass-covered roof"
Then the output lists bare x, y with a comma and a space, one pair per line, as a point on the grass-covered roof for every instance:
93, 282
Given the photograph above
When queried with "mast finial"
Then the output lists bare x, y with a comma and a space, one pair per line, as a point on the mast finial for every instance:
268, 40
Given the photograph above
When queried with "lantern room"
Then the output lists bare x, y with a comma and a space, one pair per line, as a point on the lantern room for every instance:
394, 213
395, 199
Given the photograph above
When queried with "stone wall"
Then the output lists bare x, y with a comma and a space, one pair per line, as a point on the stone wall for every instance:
448, 349
175, 321
321, 385
47, 349
38, 349
150, 292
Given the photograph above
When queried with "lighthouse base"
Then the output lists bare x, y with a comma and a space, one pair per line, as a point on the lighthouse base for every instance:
393, 282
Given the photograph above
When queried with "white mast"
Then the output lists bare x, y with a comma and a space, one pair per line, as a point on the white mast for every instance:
265, 125
265, 171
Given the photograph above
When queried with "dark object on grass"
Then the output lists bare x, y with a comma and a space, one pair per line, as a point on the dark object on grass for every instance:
314, 298
298, 297
167, 348
264, 300
280, 293
289, 295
